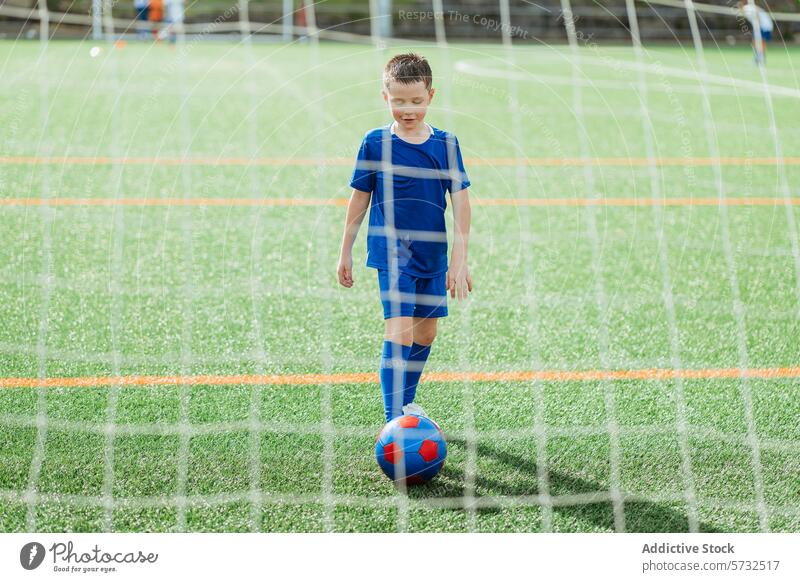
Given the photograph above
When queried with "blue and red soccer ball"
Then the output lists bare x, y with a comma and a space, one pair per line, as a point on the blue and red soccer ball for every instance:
411, 449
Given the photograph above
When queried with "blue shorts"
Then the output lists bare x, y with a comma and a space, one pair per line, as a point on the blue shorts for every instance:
419, 296
766, 35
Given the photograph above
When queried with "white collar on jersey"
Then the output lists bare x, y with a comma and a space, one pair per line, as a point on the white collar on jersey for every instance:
391, 127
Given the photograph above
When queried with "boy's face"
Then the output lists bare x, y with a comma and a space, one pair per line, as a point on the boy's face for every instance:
408, 102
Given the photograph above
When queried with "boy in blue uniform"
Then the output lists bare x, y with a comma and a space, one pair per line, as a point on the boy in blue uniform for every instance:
407, 239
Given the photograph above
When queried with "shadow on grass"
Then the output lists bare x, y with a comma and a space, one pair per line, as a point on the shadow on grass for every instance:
640, 516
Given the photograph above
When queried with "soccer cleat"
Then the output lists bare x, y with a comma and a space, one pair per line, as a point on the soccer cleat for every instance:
414, 409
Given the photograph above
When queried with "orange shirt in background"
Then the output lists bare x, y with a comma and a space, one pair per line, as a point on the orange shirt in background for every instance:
156, 10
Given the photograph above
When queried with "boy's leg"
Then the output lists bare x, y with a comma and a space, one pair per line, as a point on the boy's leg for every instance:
396, 350
424, 334
399, 330
431, 303
397, 340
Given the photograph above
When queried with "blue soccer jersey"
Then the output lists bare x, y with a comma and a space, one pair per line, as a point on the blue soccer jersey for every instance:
422, 174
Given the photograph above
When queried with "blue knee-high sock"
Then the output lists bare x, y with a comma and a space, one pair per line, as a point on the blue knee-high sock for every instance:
393, 391
419, 355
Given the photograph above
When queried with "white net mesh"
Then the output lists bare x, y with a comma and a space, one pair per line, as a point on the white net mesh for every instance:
702, 82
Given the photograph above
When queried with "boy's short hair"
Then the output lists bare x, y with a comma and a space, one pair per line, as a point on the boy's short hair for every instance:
408, 68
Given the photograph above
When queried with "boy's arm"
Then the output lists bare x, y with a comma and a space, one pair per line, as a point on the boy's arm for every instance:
458, 279
356, 209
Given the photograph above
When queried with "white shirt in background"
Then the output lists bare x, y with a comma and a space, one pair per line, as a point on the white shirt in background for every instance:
175, 11
764, 21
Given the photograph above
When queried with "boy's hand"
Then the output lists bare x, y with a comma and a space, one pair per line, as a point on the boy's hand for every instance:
345, 270
458, 279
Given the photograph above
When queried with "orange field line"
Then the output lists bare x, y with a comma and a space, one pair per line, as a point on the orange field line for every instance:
338, 161
227, 202
173, 201
363, 378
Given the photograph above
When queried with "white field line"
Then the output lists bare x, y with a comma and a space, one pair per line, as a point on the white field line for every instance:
752, 87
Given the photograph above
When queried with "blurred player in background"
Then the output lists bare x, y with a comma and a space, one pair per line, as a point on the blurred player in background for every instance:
761, 23
155, 14
142, 16
174, 19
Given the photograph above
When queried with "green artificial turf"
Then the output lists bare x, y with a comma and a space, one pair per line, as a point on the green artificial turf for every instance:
90, 291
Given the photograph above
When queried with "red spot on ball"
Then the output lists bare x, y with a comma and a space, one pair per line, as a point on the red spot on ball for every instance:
428, 450
415, 480
409, 421
391, 453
